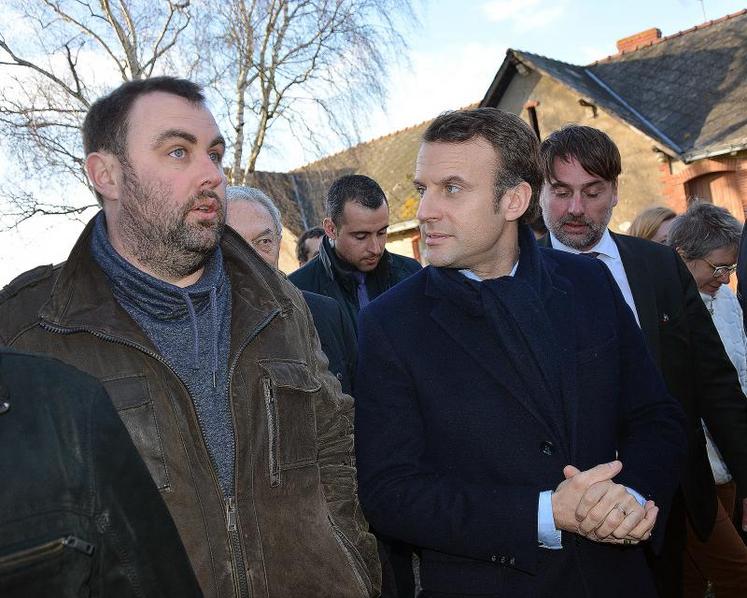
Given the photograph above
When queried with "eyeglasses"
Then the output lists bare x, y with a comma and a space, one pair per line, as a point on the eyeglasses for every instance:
719, 271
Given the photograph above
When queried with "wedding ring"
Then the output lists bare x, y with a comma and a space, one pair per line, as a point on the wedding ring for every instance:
626, 541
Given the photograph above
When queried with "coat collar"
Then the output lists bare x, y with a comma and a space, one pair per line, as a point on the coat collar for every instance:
81, 299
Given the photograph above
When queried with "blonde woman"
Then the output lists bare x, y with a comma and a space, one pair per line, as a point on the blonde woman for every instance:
653, 224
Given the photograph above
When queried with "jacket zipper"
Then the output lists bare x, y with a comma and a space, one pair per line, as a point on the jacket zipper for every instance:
47, 550
237, 555
272, 423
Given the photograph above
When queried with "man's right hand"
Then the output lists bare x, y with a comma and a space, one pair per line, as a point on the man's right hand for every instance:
568, 494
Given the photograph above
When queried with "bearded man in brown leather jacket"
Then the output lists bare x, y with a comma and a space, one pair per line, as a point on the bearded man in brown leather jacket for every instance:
209, 355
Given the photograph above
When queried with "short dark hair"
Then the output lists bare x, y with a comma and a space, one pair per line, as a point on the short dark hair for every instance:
302, 253
592, 148
514, 142
352, 187
105, 126
704, 228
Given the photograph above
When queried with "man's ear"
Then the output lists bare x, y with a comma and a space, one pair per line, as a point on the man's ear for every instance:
516, 201
103, 170
329, 228
614, 194
680, 253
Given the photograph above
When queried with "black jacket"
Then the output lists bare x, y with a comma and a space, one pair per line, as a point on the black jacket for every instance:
685, 345
327, 275
79, 513
742, 274
336, 335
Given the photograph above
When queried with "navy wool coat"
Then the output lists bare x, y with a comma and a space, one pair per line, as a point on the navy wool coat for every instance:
454, 445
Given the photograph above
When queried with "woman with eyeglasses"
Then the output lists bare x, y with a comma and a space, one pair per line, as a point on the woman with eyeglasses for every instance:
707, 238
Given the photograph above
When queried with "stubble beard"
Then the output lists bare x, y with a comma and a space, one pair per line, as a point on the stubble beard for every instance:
162, 240
587, 241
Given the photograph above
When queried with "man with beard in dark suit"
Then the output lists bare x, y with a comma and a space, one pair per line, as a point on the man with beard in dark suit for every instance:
581, 166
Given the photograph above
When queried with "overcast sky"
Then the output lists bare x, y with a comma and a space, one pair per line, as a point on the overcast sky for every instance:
454, 54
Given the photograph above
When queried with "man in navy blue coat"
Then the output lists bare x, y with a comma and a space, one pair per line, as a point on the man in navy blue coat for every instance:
509, 419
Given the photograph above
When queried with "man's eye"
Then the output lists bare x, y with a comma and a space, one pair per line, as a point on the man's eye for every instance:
420, 191
178, 153
216, 157
450, 189
561, 192
360, 237
592, 194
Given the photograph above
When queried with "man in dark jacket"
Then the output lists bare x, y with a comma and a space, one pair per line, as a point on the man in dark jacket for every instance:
79, 514
497, 387
581, 166
253, 215
209, 355
353, 266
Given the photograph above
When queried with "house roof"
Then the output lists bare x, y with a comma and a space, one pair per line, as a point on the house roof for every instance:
389, 160
687, 91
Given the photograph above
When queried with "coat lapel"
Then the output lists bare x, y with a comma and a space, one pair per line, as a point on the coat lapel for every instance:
471, 333
644, 296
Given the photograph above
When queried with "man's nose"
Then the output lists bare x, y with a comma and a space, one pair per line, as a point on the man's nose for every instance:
426, 208
575, 205
375, 244
211, 173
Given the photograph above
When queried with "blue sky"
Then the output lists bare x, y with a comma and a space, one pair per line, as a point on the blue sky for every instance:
458, 46
455, 51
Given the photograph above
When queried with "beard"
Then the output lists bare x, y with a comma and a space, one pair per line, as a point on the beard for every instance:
588, 240
158, 235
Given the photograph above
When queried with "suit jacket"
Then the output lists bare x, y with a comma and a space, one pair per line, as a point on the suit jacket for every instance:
336, 335
453, 450
686, 346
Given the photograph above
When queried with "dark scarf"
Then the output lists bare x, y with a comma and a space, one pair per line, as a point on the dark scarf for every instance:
377, 280
514, 307
176, 320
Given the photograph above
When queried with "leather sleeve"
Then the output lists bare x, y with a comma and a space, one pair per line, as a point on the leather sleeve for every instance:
334, 417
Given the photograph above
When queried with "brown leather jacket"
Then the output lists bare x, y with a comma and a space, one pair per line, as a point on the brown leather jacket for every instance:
294, 527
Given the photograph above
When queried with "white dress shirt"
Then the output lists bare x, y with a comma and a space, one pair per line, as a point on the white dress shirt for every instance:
609, 254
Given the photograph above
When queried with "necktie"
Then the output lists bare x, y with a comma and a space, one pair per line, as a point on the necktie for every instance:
362, 291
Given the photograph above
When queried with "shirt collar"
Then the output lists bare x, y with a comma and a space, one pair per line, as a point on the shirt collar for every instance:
472, 276
606, 246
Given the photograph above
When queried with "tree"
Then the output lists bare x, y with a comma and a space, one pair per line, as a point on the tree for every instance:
317, 65
58, 56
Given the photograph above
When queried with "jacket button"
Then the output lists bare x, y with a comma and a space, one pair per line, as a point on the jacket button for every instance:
512, 561
338, 375
547, 448
493, 558
4, 406
502, 560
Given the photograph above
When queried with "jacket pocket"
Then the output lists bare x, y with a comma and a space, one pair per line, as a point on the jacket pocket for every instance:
133, 402
54, 568
354, 560
289, 390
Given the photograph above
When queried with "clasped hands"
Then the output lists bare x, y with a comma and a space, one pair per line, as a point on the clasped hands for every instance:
590, 504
